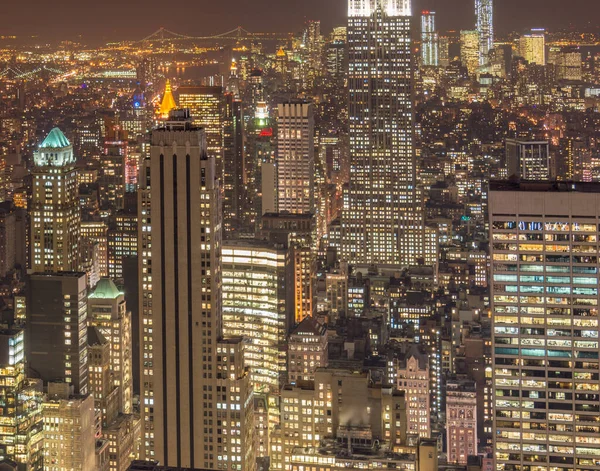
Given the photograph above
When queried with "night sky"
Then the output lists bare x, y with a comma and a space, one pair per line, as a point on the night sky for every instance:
104, 20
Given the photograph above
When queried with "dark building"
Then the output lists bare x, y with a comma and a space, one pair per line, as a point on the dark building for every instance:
56, 347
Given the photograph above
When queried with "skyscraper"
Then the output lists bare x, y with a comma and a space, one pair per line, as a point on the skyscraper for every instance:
429, 39
55, 214
196, 396
56, 346
484, 13
544, 264
234, 194
529, 160
532, 47
206, 109
381, 218
295, 157
469, 50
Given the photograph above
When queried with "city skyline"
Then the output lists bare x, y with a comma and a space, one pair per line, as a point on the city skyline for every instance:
95, 21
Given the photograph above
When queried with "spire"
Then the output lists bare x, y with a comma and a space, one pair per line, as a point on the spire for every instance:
281, 52
168, 102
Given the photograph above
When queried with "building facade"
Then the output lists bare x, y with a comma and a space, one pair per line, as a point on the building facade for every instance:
544, 263
484, 15
429, 40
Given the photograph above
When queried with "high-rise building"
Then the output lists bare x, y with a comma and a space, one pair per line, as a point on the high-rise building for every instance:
56, 347
529, 160
469, 50
296, 232
108, 312
102, 388
95, 233
567, 63
546, 376
113, 169
382, 220
234, 194
429, 39
69, 433
257, 305
55, 213
484, 14
196, 397
461, 420
206, 109
122, 242
413, 378
8, 237
295, 157
532, 47
21, 408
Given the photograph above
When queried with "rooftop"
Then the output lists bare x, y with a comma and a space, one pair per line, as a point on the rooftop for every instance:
105, 289
55, 139
545, 186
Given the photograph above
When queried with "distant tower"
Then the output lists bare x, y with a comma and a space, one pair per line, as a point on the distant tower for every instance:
296, 157
429, 39
484, 12
168, 102
469, 52
55, 213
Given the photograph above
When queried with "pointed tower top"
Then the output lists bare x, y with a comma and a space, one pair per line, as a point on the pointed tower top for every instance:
168, 102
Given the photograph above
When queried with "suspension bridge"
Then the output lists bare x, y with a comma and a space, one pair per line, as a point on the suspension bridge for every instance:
237, 34
17, 73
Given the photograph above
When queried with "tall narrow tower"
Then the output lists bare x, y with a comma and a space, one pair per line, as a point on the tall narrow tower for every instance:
196, 394
484, 13
381, 221
429, 39
55, 214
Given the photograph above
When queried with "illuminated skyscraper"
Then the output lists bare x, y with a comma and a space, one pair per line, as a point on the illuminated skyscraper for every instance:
206, 109
546, 377
484, 13
295, 158
234, 194
381, 219
196, 397
429, 39
532, 47
469, 50
55, 215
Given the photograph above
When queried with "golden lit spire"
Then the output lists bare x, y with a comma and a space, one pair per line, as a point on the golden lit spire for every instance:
168, 102
281, 52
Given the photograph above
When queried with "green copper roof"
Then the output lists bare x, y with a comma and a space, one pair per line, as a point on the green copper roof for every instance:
105, 289
55, 139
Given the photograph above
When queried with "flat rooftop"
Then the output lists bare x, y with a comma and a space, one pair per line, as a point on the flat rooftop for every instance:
545, 186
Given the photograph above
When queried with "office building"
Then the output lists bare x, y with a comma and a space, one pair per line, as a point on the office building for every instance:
567, 63
188, 372
54, 213
532, 47
382, 221
297, 233
469, 50
257, 304
21, 409
307, 350
344, 406
101, 386
461, 420
122, 243
8, 238
69, 441
529, 160
56, 332
544, 264
412, 373
113, 169
429, 40
108, 312
206, 109
234, 181
94, 233
484, 14
295, 157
